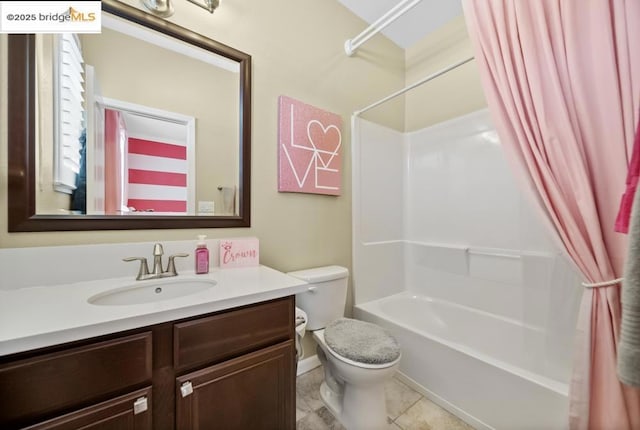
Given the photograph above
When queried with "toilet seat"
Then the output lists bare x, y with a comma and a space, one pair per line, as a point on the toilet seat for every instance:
361, 343
318, 336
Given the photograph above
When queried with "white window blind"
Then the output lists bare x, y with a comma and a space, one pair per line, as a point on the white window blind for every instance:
69, 112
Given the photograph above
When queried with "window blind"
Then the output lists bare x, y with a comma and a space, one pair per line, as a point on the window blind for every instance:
70, 111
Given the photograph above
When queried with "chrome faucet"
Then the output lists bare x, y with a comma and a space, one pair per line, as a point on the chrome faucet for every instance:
158, 271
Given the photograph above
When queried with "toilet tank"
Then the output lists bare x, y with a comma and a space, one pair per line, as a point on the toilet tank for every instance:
326, 296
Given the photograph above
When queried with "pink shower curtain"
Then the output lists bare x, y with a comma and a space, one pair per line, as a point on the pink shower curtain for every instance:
562, 81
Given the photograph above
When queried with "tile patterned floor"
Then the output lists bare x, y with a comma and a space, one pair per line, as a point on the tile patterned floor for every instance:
406, 408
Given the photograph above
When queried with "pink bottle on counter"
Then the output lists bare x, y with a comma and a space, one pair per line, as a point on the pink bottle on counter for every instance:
202, 256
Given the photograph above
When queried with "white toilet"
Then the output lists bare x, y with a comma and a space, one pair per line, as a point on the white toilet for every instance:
358, 357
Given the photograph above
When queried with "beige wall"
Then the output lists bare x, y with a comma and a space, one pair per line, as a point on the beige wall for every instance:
299, 53
448, 96
297, 50
142, 73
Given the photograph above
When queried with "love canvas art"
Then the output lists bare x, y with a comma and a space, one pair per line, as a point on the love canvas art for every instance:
309, 153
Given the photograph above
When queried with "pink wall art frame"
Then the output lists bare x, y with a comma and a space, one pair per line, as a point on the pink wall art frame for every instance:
309, 149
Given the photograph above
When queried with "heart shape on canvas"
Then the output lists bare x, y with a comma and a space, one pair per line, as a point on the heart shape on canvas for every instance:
326, 141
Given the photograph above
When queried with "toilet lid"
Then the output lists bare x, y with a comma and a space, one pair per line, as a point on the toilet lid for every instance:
361, 341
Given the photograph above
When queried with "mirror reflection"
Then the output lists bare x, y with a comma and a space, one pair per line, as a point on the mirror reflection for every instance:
140, 124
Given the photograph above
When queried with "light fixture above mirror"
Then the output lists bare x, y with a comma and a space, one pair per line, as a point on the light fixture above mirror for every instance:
164, 8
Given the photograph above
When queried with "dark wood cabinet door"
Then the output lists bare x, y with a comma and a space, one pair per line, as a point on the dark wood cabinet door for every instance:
114, 414
255, 391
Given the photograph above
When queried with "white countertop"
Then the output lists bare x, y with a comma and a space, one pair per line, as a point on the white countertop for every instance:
36, 317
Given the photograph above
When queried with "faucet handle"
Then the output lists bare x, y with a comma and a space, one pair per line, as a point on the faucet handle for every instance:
144, 267
157, 249
171, 266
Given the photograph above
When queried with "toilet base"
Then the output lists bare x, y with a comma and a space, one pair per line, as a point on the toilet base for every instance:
331, 400
358, 408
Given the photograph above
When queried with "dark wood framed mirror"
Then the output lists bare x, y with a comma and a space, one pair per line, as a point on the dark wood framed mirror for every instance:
25, 141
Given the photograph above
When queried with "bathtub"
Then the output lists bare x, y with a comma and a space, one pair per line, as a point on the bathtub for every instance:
490, 371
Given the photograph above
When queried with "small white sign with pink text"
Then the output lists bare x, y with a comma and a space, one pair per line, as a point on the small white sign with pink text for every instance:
240, 252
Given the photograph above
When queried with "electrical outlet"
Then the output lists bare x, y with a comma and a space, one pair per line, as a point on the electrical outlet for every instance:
205, 207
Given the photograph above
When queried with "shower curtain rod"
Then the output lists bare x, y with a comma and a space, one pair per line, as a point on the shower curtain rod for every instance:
394, 13
415, 84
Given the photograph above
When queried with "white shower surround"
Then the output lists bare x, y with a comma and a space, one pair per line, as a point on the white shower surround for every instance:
438, 218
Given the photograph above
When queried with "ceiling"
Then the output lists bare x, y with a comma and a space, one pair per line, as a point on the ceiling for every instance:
412, 26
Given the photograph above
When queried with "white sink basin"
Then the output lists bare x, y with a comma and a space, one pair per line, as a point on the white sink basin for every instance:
151, 291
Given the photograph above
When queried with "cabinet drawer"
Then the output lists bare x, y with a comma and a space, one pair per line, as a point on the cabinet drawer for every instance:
225, 335
36, 387
118, 413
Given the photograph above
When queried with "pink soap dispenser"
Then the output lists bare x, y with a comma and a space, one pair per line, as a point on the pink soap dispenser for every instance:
202, 256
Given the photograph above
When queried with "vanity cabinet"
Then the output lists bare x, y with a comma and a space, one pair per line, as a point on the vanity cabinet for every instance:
233, 369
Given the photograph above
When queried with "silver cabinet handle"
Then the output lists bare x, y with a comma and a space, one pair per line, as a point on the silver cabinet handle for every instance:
186, 389
140, 405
